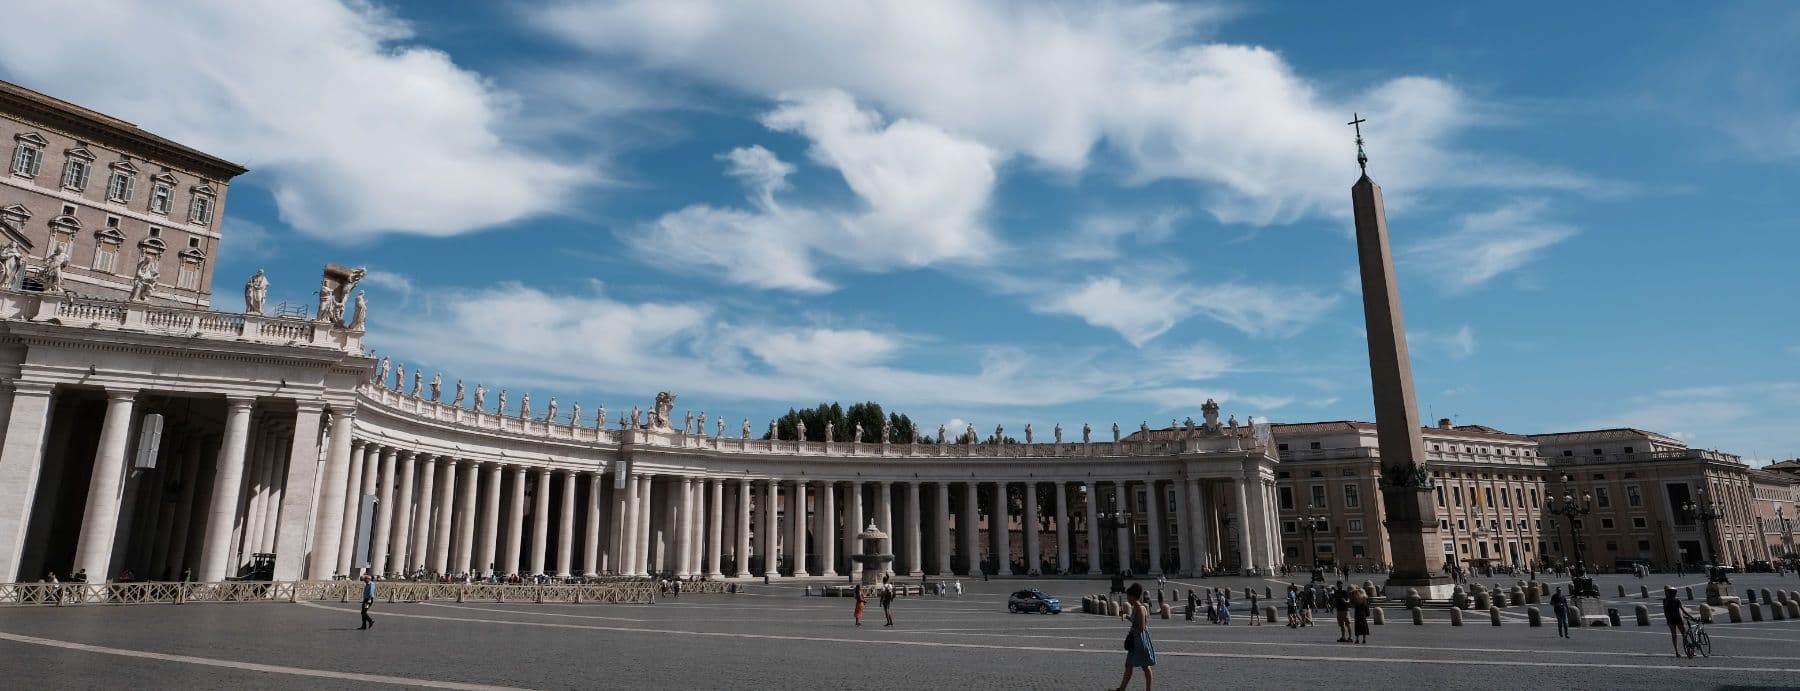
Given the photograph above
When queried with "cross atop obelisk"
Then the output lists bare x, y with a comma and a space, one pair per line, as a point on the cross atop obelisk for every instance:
1362, 159
1406, 486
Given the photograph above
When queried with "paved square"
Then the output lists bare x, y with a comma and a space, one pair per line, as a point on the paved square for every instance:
773, 637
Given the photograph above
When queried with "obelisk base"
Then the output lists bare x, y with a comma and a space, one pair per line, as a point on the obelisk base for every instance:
1418, 558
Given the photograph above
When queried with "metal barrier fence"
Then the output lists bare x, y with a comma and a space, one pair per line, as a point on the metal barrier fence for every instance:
634, 591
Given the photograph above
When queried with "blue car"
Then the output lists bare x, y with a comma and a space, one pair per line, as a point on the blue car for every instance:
1033, 600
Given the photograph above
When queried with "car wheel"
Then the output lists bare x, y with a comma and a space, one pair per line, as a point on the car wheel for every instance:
1012, 608
1043, 609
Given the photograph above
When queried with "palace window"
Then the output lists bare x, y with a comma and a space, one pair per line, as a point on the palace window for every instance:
1602, 498
1456, 494
1318, 496
1644, 546
1534, 503
1286, 495
1505, 501
1628, 449
1357, 551
1606, 524
1462, 524
200, 211
1489, 493
1352, 497
1638, 522
1355, 525
1568, 452
1632, 498
1289, 527
189, 278
119, 187
1281, 447
162, 198
1314, 446
28, 158
1519, 496
103, 257
75, 174
1440, 495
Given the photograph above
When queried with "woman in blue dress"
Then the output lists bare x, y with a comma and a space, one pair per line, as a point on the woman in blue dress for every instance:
1139, 651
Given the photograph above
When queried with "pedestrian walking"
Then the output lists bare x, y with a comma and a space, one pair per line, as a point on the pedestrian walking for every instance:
368, 600
1359, 604
1225, 607
1139, 651
887, 600
1340, 601
1675, 616
862, 600
1559, 604
1253, 616
1293, 606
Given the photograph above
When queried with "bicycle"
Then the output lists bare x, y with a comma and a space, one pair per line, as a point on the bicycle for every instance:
1694, 638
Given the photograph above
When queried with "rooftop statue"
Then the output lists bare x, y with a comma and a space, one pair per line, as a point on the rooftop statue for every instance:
1210, 412
362, 313
12, 265
256, 291
382, 372
1058, 432
437, 381
550, 411
525, 406
575, 414
458, 401
1028, 433
400, 377
52, 275
480, 397
665, 407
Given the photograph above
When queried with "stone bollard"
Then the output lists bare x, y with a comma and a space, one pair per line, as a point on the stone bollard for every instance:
1268, 614
1246, 592
1413, 601
1516, 596
1690, 592
1112, 608
1379, 617
1481, 599
459, 595
1777, 611
1268, 594
1735, 612
1793, 609
1164, 610
1494, 615
1644, 592
1532, 597
1750, 595
1612, 616
1575, 620
1621, 590
1455, 617
1766, 597
1755, 611
1159, 596
1533, 616
1501, 600
1642, 613
1418, 616
1706, 614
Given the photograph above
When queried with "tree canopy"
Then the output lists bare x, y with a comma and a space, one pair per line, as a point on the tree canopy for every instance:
842, 423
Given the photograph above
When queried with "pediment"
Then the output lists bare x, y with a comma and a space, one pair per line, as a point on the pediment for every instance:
204, 188
79, 151
124, 165
69, 222
111, 235
33, 139
192, 254
165, 178
16, 211
153, 245
11, 232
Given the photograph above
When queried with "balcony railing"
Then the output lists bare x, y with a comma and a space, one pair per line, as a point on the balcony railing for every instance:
113, 315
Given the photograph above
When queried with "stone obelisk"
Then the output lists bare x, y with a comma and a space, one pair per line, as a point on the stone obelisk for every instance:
1406, 487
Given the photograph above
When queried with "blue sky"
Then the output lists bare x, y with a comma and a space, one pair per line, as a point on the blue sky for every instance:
1007, 212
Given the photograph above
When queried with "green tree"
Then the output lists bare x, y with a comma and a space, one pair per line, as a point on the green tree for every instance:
842, 423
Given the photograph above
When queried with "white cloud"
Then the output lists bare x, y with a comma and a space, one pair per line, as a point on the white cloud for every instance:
1144, 308
354, 129
1456, 345
245, 240
1097, 237
1054, 81
922, 194
1487, 244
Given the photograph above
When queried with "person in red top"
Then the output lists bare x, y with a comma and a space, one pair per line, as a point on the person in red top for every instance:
861, 602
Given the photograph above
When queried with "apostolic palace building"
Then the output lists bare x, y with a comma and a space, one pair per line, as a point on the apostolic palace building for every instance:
148, 430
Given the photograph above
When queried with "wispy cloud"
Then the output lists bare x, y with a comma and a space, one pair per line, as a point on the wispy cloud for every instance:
1487, 244
1143, 308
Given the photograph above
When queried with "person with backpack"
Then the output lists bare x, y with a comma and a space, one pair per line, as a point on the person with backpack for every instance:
887, 600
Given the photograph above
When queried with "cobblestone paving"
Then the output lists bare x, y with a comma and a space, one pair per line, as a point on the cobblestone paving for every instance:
772, 637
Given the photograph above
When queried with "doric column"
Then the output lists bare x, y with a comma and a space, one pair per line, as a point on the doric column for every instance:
100, 519
595, 510
21, 458
216, 547
190, 516
1028, 524
352, 502
684, 527
766, 536
540, 522
468, 513
698, 548
399, 553
1093, 528
489, 536
826, 528
384, 512
328, 533
646, 483
914, 536
291, 552
853, 526
1184, 528
1153, 508
1246, 550
940, 526
628, 527
278, 460
565, 533
1122, 497
715, 527
166, 557
743, 529
1202, 523
515, 522
1000, 526
445, 507
798, 524
968, 528
257, 479
422, 523
1062, 527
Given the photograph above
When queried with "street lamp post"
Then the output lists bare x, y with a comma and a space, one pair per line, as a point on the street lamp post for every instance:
1705, 512
1787, 533
1312, 522
1573, 509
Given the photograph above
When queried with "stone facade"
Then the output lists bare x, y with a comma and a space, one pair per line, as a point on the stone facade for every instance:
111, 194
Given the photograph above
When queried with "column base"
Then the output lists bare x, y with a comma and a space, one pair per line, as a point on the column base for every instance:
914, 574
829, 574
1430, 588
742, 574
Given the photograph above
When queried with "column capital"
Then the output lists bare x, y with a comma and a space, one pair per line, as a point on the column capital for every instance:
468, 462
407, 454
121, 394
356, 444
565, 472
240, 402
307, 405
24, 387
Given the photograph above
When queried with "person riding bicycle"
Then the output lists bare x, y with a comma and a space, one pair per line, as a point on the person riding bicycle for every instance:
1675, 616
